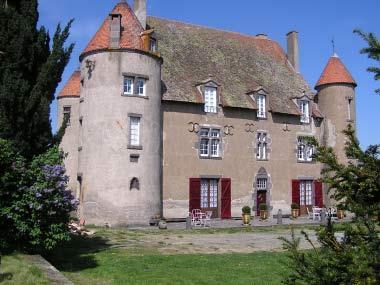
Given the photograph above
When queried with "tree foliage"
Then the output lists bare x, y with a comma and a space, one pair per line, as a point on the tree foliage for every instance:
35, 204
373, 52
31, 67
351, 255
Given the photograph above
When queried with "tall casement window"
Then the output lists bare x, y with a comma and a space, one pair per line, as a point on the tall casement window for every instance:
134, 131
140, 82
261, 105
304, 107
305, 150
128, 85
67, 114
261, 146
210, 99
350, 109
209, 145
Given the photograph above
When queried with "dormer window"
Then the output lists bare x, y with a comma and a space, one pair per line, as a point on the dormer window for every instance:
153, 45
210, 99
304, 107
261, 106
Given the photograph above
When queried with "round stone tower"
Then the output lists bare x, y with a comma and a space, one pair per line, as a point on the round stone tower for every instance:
336, 99
120, 152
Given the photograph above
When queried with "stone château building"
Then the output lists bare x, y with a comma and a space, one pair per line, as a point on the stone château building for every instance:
165, 117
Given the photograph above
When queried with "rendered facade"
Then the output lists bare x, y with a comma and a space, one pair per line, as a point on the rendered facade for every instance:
165, 117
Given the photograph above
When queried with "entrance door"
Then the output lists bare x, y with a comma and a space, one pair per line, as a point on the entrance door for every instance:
261, 198
306, 196
209, 196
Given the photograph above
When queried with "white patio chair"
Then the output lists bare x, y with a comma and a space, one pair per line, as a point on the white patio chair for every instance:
207, 221
309, 213
197, 215
333, 213
316, 213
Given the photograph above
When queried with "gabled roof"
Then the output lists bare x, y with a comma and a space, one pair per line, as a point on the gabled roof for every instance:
335, 72
130, 32
72, 86
237, 62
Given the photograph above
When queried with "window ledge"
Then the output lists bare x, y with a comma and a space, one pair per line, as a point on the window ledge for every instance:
304, 161
138, 147
135, 96
266, 159
211, 157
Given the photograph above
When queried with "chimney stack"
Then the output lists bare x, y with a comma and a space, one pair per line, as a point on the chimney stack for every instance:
115, 33
293, 51
140, 12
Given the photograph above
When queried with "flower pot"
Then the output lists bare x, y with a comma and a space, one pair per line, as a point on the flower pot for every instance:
162, 225
340, 214
263, 214
246, 219
295, 213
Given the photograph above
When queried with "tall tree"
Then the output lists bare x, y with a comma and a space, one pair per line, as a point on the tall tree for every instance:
30, 70
373, 52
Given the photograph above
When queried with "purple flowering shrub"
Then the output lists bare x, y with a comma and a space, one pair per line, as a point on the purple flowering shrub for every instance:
38, 204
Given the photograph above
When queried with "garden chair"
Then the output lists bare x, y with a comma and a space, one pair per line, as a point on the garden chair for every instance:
316, 213
196, 217
207, 221
309, 213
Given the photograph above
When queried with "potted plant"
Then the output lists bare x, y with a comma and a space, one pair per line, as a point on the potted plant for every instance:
162, 225
340, 212
263, 208
295, 210
246, 214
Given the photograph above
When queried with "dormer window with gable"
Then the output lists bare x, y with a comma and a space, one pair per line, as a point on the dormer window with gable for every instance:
304, 107
210, 99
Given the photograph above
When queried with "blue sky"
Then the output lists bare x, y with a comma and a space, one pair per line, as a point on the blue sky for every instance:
317, 22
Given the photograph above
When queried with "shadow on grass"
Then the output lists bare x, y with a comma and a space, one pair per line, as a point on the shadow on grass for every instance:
78, 254
5, 276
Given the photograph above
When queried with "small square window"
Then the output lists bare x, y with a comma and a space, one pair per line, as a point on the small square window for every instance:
140, 82
128, 85
209, 144
305, 150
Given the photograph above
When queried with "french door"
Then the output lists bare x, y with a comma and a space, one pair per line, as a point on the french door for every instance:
209, 196
306, 195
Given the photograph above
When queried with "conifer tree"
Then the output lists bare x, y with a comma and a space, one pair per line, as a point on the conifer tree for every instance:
30, 70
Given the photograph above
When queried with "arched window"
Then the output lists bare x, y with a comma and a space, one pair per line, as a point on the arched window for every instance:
135, 184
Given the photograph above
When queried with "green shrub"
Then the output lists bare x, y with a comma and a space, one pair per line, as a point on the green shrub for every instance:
263, 207
294, 206
246, 210
35, 204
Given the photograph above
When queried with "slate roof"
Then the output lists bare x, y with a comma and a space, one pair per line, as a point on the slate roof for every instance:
239, 63
72, 86
130, 35
335, 72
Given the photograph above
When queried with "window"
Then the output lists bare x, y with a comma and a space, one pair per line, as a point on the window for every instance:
350, 107
209, 193
135, 184
306, 192
128, 85
134, 131
67, 114
153, 45
261, 106
305, 150
140, 82
261, 148
305, 111
210, 100
209, 142
261, 183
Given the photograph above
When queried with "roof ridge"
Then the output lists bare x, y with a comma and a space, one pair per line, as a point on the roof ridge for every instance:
211, 28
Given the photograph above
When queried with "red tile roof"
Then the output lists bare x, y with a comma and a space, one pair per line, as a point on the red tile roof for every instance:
335, 72
130, 35
72, 86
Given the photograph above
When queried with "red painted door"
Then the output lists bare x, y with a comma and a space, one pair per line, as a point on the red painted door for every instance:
261, 198
194, 193
226, 198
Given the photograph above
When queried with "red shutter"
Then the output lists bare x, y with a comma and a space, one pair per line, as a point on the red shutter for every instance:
226, 198
318, 193
296, 191
194, 193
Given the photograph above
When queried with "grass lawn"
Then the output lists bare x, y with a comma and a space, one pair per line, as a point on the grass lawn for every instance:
104, 259
15, 269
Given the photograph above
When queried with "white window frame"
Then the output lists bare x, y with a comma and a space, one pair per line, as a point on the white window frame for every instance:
261, 106
304, 107
134, 131
262, 184
210, 94
305, 150
306, 192
128, 86
140, 89
261, 146
209, 193
209, 142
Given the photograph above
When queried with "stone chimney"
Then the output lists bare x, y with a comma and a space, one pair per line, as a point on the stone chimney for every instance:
115, 33
293, 51
140, 11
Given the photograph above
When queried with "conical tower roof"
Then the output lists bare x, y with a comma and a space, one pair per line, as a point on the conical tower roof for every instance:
335, 72
72, 86
130, 32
